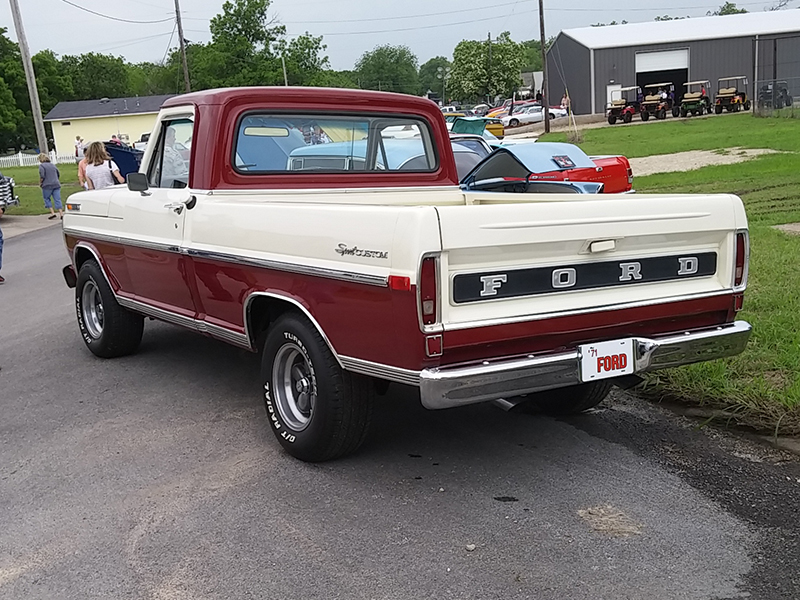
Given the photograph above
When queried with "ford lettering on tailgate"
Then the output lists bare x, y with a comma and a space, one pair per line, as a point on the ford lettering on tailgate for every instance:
472, 287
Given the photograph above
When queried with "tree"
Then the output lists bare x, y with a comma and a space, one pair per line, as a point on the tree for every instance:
729, 8
10, 118
474, 76
389, 68
668, 18
428, 72
625, 22
96, 76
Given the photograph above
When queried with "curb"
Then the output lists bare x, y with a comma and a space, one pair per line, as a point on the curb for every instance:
14, 225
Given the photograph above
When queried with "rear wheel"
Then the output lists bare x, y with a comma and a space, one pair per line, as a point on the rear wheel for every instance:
645, 115
108, 329
627, 118
661, 114
513, 123
569, 400
747, 104
718, 109
612, 120
317, 410
684, 112
676, 110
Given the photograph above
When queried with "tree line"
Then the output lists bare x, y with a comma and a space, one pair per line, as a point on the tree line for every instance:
248, 48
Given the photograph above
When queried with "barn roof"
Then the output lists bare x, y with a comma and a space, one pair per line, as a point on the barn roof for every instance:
687, 30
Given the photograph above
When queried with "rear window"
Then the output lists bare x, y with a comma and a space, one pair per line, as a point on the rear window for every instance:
270, 143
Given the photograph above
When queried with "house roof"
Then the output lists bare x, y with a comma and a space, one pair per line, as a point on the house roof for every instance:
685, 30
106, 107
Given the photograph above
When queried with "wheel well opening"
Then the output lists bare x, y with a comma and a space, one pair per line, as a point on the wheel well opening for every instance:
81, 256
262, 311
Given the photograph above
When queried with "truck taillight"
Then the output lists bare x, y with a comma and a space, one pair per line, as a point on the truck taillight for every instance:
428, 292
630, 176
741, 261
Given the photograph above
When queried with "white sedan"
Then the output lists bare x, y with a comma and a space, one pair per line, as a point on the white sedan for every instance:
531, 114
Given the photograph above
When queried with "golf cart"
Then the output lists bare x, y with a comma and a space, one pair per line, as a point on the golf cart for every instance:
659, 98
695, 101
774, 95
624, 104
732, 95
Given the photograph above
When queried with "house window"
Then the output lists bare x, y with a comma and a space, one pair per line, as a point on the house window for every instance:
65, 123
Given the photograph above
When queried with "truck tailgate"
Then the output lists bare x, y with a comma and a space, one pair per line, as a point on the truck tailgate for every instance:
507, 256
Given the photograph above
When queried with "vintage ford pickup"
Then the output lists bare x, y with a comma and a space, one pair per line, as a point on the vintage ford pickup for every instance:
367, 262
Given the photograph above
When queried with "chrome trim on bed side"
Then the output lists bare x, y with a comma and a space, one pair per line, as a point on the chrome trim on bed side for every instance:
372, 369
351, 276
376, 280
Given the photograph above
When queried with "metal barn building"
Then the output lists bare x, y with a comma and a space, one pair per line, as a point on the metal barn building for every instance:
593, 61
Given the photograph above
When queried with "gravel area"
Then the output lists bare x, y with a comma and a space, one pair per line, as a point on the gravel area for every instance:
694, 159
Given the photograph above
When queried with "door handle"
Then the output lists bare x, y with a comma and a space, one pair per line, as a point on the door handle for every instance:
176, 206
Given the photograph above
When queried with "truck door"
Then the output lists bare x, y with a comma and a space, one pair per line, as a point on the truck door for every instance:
155, 219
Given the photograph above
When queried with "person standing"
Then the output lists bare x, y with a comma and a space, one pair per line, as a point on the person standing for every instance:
50, 184
101, 171
78, 147
2, 279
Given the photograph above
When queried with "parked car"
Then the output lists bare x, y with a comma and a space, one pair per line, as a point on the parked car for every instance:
7, 195
532, 114
141, 143
494, 126
349, 270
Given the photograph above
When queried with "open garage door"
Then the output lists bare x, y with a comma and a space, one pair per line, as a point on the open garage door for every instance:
661, 67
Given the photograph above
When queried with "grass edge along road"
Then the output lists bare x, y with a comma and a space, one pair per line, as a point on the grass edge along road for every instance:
26, 180
760, 387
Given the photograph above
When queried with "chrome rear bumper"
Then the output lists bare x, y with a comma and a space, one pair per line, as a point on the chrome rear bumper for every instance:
445, 387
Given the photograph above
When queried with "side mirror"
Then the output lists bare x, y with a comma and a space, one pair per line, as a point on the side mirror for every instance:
137, 182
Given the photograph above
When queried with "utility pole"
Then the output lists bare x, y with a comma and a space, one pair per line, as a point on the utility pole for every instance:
545, 105
489, 74
285, 78
30, 78
183, 46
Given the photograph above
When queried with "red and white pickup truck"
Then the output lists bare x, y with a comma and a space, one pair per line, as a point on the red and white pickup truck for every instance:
329, 230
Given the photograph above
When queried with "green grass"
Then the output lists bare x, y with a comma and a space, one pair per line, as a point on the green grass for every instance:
710, 133
29, 192
762, 385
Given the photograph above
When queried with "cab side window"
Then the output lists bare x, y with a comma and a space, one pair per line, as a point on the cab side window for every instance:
169, 166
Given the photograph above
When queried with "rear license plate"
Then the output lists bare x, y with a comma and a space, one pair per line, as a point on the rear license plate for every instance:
606, 359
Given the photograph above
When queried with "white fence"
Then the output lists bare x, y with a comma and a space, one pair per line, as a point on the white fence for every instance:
32, 160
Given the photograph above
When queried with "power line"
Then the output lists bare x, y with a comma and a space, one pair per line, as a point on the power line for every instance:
418, 27
416, 16
115, 18
169, 43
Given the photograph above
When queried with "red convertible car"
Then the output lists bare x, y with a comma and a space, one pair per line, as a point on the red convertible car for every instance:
552, 161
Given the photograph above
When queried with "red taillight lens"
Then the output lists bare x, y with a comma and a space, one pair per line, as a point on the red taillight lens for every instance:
740, 269
428, 294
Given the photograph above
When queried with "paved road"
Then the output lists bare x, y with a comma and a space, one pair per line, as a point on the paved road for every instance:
156, 476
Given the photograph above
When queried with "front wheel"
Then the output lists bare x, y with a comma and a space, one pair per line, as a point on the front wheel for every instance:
569, 400
676, 111
661, 114
645, 116
317, 411
627, 118
612, 120
718, 109
513, 123
108, 329
747, 105
684, 112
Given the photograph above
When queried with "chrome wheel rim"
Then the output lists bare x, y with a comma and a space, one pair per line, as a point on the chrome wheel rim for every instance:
294, 386
92, 309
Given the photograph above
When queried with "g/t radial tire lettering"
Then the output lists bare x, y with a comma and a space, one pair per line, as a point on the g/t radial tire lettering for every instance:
113, 330
316, 410
568, 400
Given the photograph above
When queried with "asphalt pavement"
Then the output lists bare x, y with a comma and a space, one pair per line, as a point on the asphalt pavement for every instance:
156, 476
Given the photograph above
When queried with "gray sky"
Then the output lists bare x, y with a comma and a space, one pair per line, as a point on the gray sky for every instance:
428, 28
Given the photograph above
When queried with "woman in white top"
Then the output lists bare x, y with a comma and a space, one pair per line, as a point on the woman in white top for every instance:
101, 171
